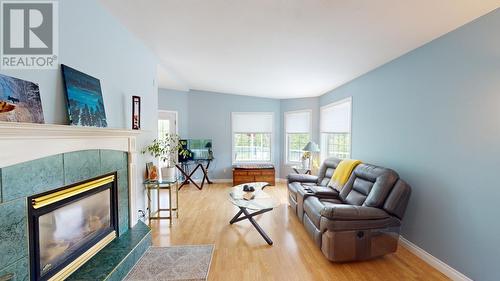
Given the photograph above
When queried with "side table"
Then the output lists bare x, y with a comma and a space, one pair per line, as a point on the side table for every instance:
301, 170
162, 185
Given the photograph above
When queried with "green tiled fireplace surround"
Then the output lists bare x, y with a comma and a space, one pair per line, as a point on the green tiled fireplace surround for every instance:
33, 177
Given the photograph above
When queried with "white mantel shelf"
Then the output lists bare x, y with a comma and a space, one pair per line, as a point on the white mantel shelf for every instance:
22, 142
47, 130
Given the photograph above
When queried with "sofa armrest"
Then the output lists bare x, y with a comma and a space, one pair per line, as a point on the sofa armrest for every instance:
351, 212
302, 178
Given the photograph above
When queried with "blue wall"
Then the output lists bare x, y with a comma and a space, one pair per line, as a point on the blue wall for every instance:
209, 116
433, 115
176, 101
93, 41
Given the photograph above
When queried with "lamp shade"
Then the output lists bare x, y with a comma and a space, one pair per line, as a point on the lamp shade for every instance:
311, 147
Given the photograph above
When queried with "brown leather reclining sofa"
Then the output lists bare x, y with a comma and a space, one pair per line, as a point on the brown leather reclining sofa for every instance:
360, 222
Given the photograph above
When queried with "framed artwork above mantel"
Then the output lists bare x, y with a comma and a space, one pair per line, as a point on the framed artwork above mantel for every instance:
136, 113
20, 101
84, 98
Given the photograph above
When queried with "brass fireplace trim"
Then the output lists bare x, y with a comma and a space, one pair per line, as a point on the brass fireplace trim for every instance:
74, 265
45, 200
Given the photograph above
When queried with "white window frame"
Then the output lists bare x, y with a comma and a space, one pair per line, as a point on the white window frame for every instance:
288, 162
335, 103
233, 154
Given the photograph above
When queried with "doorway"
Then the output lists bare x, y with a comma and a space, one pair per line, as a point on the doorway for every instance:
167, 123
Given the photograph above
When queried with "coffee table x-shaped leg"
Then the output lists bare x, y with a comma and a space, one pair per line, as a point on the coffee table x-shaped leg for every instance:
249, 216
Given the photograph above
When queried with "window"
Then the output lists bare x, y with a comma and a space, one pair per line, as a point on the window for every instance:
252, 136
297, 134
335, 129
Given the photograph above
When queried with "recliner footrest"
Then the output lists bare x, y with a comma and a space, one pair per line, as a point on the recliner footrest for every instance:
356, 245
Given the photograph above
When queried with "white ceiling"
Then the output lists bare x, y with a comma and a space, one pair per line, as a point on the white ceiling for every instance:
284, 48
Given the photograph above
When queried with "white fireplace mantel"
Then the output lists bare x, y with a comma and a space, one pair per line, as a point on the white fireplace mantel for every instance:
22, 142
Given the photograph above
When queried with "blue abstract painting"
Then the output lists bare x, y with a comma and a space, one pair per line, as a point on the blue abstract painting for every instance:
20, 101
84, 98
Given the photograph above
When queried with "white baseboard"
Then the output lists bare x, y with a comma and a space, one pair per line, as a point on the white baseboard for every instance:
231, 180
444, 268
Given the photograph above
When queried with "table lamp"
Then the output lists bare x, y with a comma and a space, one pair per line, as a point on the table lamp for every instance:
311, 147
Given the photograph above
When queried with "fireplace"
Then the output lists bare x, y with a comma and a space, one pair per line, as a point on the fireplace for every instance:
69, 225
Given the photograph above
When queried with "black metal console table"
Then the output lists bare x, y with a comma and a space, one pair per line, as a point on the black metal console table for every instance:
187, 172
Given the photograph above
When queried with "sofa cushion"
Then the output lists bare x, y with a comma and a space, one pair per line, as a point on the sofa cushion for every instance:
313, 207
328, 176
331, 201
326, 170
337, 211
369, 185
346, 225
397, 200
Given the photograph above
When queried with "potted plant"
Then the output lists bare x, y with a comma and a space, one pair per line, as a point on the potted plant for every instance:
165, 149
184, 153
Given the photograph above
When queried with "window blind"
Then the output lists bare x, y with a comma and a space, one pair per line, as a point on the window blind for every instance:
298, 122
252, 122
336, 117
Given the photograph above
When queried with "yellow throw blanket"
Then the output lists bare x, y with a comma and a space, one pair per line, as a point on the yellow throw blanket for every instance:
342, 173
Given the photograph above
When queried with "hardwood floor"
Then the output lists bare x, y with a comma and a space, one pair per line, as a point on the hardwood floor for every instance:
242, 254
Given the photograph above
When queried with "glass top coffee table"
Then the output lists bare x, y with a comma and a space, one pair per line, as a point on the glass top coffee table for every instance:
260, 203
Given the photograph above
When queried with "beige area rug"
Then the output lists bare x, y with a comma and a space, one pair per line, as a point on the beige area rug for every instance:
173, 263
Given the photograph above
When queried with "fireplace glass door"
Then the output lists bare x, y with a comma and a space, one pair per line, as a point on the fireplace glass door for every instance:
67, 229
69, 225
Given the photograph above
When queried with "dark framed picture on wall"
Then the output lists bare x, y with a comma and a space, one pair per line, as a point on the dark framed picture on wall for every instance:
136, 113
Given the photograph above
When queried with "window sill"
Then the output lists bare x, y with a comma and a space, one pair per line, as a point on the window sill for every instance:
293, 163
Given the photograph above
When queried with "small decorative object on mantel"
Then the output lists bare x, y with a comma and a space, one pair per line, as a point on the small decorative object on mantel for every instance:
136, 113
84, 98
20, 101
